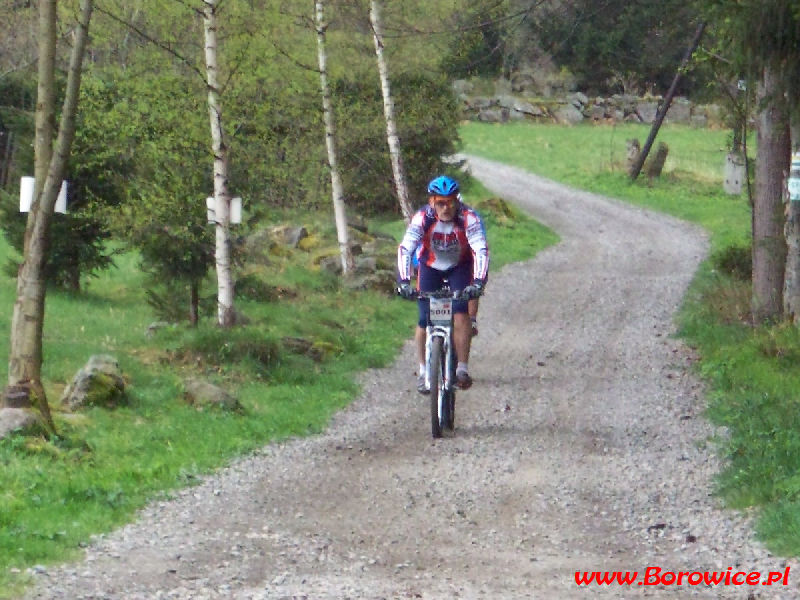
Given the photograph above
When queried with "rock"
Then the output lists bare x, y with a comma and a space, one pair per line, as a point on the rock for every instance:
154, 327
98, 383
528, 109
492, 115
462, 86
203, 394
331, 263
312, 242
647, 111
481, 103
20, 421
578, 100
379, 281
288, 234
597, 112
366, 264
680, 111
567, 114
357, 222
317, 350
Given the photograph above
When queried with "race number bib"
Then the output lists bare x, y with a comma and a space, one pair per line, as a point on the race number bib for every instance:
441, 309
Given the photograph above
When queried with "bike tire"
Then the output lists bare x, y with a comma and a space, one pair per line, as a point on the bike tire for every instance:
450, 423
438, 418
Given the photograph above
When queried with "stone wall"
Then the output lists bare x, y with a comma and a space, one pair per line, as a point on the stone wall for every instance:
576, 107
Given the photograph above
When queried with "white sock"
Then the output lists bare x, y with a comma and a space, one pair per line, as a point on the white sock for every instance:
462, 368
421, 369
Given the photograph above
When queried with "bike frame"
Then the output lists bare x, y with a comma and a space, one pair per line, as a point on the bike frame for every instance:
440, 325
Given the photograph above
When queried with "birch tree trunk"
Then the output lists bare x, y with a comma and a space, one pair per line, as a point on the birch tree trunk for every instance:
339, 209
222, 198
388, 111
769, 245
27, 321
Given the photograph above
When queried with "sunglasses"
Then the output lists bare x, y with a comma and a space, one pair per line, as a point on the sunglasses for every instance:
443, 202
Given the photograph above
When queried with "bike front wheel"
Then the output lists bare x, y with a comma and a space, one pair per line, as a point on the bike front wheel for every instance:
440, 404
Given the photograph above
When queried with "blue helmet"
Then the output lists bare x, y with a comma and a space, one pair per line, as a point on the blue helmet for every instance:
443, 186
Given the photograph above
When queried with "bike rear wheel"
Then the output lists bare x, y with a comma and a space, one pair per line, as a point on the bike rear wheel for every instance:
440, 404
451, 394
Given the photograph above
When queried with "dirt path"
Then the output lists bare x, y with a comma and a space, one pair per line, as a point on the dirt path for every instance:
581, 447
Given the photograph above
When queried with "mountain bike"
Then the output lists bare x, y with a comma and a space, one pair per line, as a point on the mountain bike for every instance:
440, 360
440, 357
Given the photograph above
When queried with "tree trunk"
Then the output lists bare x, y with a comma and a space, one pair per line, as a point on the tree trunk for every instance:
388, 111
791, 286
769, 245
45, 119
194, 302
339, 209
222, 198
27, 321
6, 155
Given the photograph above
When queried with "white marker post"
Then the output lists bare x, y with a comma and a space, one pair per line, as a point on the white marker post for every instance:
26, 185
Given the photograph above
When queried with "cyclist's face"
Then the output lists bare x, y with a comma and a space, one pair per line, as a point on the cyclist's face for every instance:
445, 207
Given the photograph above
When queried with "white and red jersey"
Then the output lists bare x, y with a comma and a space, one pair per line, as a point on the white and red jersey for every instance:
444, 244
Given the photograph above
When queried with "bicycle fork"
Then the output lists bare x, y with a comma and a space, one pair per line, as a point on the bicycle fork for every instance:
435, 331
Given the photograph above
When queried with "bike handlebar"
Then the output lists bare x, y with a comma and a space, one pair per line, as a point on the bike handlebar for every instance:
443, 293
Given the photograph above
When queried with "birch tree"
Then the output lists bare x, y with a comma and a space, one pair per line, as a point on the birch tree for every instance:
226, 315
395, 150
337, 190
27, 322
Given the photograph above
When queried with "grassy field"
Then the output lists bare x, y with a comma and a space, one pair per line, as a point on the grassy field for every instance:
106, 464
752, 373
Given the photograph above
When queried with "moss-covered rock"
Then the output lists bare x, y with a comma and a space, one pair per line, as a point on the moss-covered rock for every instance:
98, 383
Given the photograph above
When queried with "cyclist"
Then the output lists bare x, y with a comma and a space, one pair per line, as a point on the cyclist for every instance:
452, 244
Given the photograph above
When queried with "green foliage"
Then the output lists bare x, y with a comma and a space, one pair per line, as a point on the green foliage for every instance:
734, 261
218, 346
427, 126
146, 139
616, 46
479, 48
752, 34
78, 247
78, 239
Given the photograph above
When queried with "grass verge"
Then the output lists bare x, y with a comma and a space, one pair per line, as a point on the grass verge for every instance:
751, 372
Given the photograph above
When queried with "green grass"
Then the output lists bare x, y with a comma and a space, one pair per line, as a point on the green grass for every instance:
106, 464
593, 158
751, 373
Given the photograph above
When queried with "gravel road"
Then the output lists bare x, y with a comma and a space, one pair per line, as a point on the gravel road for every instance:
581, 447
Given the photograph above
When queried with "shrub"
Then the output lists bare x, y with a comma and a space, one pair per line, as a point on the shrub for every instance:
735, 261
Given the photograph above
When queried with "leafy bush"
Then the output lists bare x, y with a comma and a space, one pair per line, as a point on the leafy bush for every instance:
217, 346
428, 117
735, 261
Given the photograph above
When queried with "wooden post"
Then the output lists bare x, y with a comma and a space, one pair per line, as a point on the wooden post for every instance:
634, 150
656, 164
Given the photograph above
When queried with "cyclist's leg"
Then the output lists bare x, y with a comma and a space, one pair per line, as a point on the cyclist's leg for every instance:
460, 277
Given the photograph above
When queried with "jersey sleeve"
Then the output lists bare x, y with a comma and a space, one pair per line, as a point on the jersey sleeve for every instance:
476, 236
407, 247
